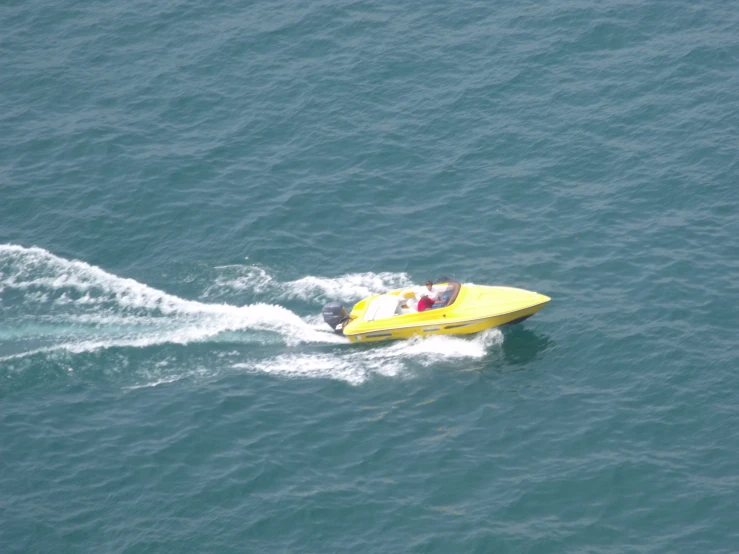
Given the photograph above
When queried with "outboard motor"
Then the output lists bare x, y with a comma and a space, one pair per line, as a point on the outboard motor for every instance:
335, 315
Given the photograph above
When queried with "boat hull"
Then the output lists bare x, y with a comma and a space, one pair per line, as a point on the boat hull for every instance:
445, 328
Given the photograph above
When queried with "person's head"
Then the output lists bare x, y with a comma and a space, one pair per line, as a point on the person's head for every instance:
429, 284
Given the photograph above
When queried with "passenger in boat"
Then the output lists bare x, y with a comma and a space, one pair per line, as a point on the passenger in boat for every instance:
430, 291
429, 298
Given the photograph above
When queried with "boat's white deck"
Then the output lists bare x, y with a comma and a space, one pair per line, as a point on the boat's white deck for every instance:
389, 305
382, 307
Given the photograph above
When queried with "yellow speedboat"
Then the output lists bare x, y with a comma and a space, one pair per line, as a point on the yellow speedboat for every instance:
465, 309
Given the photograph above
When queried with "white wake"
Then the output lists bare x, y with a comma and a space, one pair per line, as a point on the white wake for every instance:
121, 312
56, 304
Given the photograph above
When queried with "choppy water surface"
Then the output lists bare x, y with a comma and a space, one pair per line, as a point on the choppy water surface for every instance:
183, 186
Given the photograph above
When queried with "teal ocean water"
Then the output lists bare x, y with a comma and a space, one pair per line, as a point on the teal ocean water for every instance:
184, 184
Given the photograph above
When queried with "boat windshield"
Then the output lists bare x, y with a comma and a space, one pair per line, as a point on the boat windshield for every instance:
450, 292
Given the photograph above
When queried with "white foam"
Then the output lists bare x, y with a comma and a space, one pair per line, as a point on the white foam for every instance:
34, 268
156, 383
135, 314
310, 365
98, 310
355, 365
353, 286
241, 278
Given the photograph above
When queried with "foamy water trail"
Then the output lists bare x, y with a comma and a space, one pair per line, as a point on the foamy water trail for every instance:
353, 286
119, 312
53, 304
356, 365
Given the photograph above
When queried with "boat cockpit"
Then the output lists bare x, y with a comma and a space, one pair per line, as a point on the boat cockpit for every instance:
406, 301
